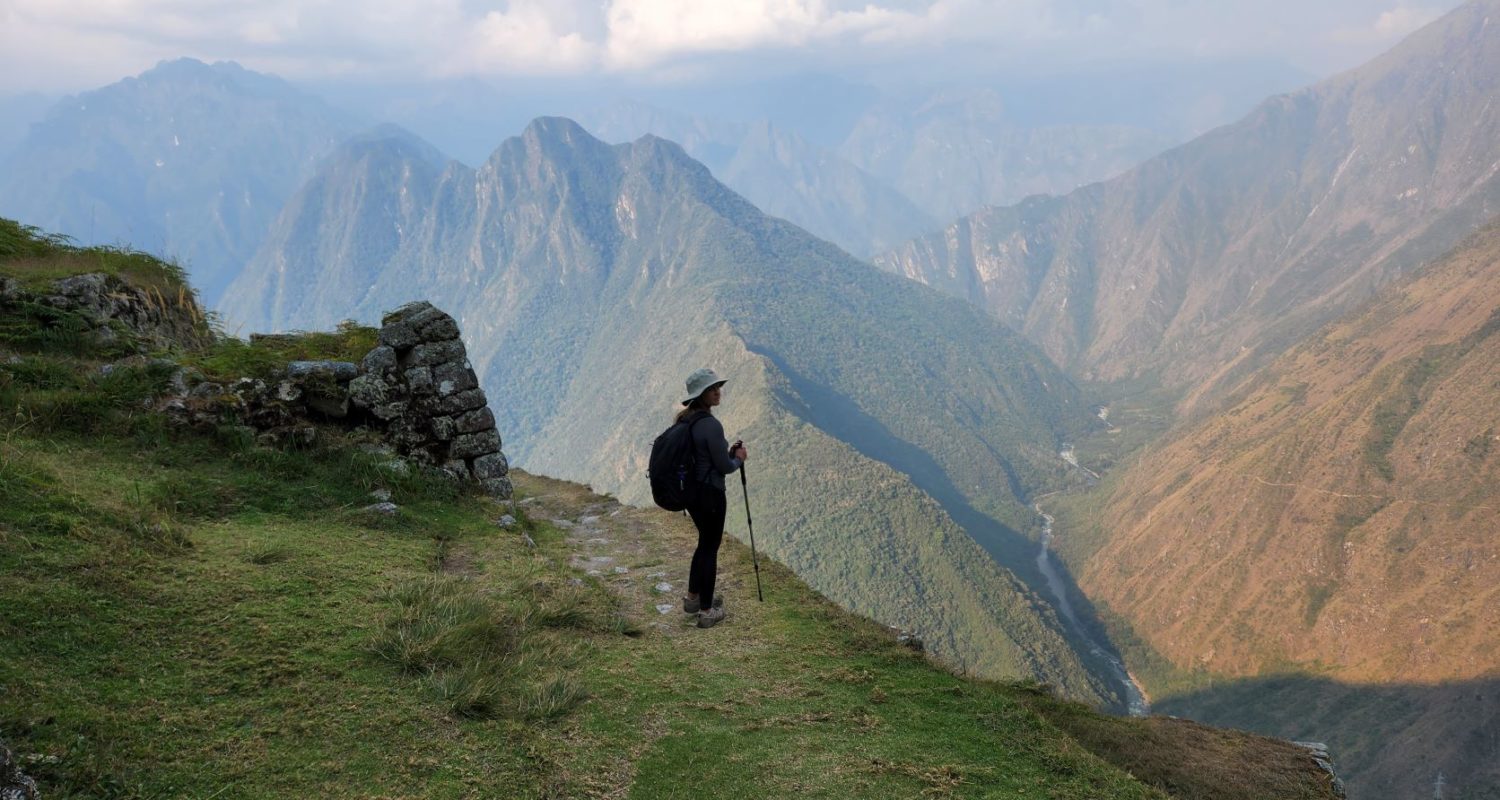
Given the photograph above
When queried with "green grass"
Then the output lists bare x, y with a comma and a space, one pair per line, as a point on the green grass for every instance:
230, 358
37, 259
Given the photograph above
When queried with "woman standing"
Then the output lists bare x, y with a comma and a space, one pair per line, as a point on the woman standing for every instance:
707, 506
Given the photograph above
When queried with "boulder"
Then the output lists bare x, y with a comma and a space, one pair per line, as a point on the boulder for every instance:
381, 361
472, 445
369, 391
431, 354
419, 380
444, 429
454, 377
341, 371
14, 784
477, 420
494, 465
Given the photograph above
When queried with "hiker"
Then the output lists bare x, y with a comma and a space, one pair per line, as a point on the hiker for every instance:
707, 505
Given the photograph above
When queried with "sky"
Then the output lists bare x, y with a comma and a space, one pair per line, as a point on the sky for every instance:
68, 45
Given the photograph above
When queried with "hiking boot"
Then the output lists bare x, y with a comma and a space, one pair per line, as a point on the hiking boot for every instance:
711, 617
691, 605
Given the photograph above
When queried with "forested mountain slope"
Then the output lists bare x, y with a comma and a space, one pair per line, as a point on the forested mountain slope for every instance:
189, 159
1203, 262
589, 279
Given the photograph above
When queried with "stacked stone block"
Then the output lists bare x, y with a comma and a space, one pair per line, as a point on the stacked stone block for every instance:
419, 383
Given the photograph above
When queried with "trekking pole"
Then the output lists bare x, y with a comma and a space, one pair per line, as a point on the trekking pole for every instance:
745, 486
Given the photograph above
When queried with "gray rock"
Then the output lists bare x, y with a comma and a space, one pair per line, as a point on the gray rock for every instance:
416, 314
206, 390
665, 608
663, 587
506, 521
386, 508
530, 542
480, 419
622, 570
342, 371
498, 488
406, 312
494, 465
87, 289
381, 495
590, 520
389, 411
288, 392
106, 370
441, 329
399, 336
419, 380
434, 353
14, 784
472, 445
368, 391
444, 429
455, 469
459, 403
10, 289
454, 377
396, 466
380, 361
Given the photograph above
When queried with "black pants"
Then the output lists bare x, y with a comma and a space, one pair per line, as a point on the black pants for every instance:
707, 510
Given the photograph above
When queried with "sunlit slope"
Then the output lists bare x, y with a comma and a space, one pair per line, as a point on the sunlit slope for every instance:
1341, 514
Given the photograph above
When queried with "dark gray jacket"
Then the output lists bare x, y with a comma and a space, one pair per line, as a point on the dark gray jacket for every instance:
712, 450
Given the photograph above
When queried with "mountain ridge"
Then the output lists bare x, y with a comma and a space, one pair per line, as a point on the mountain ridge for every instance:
1307, 205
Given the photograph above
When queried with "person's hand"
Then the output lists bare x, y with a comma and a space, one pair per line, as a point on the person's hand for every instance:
738, 451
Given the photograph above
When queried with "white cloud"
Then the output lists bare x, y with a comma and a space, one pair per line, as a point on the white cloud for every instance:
1388, 26
51, 44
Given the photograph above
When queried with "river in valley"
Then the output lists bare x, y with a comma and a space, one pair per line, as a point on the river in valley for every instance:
1136, 702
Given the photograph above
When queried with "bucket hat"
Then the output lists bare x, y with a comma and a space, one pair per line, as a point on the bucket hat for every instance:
701, 381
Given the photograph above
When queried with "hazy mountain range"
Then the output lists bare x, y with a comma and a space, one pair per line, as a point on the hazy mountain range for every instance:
1201, 262
189, 160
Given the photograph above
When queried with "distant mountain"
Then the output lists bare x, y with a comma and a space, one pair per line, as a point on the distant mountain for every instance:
1339, 519
1201, 263
590, 278
782, 174
17, 113
188, 159
958, 150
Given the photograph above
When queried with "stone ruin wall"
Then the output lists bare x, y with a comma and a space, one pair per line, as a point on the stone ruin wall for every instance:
416, 387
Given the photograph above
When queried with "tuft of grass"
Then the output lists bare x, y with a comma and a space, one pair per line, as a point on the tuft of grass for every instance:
550, 700
271, 554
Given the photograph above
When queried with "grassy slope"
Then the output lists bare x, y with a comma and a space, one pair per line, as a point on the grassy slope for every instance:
241, 664
189, 615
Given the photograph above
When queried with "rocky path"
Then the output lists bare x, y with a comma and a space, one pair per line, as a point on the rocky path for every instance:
640, 554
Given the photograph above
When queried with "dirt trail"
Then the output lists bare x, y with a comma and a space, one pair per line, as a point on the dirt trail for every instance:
641, 554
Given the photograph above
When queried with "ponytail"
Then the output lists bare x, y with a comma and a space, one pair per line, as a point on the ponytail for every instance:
694, 406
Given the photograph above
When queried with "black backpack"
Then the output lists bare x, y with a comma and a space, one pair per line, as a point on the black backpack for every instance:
673, 468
